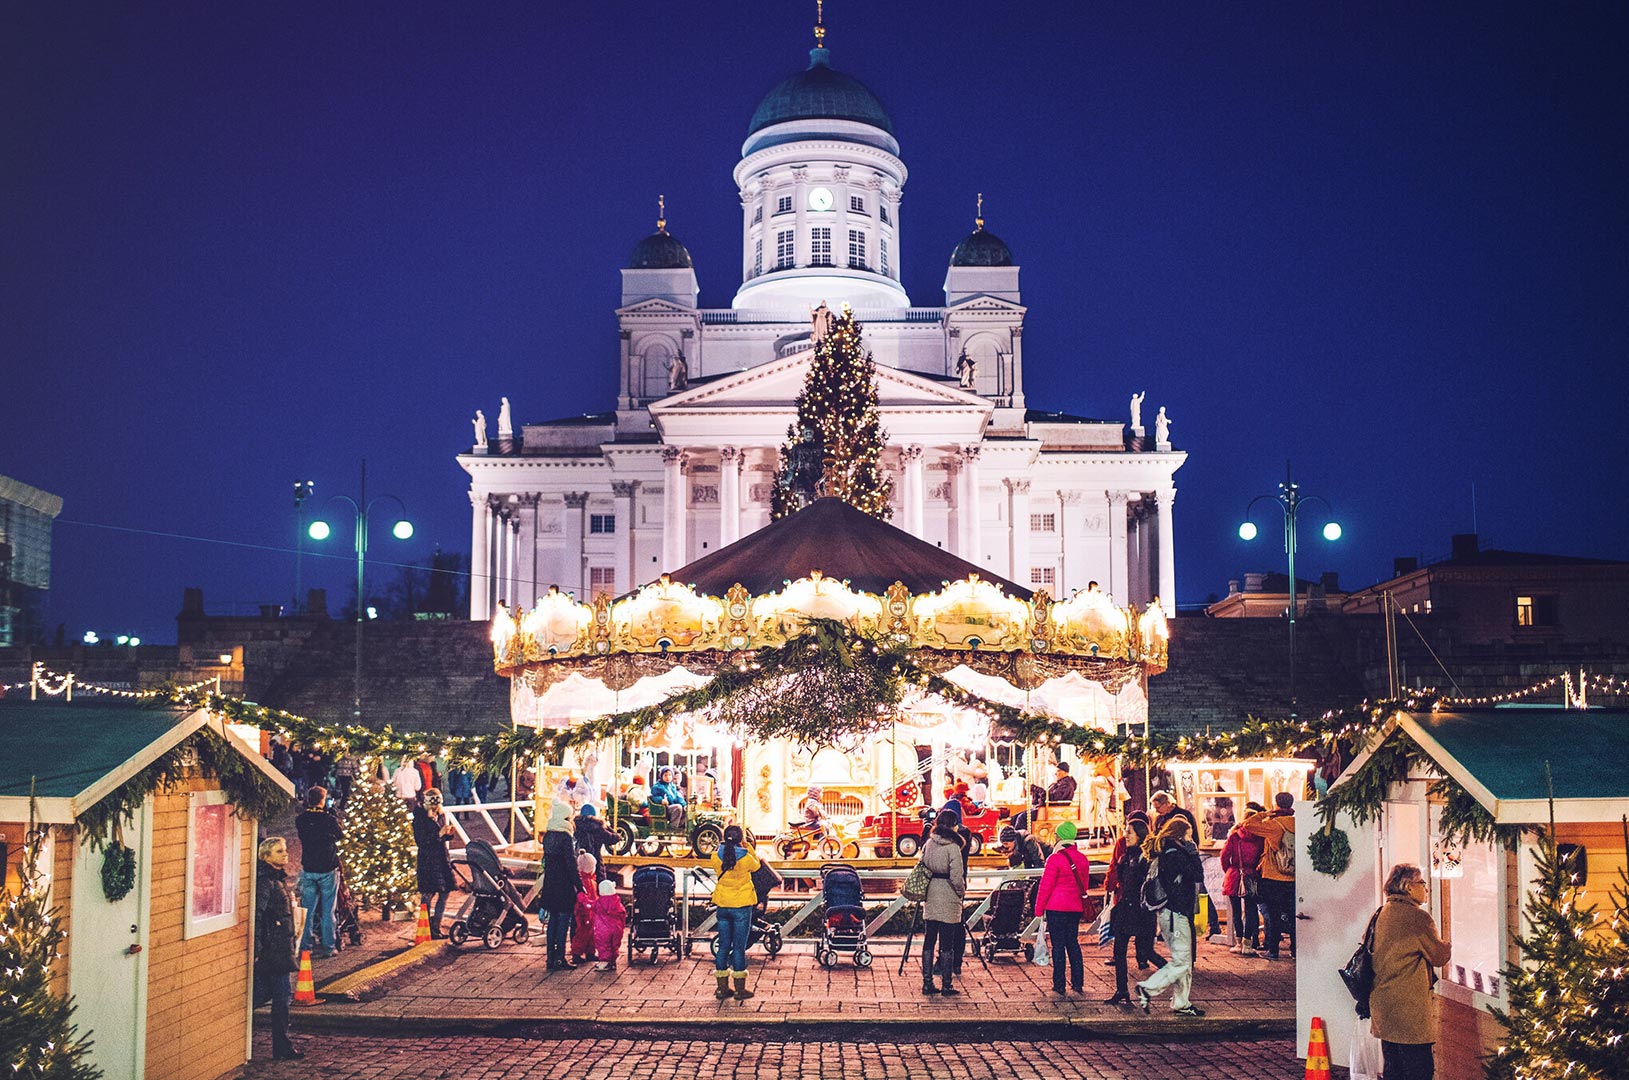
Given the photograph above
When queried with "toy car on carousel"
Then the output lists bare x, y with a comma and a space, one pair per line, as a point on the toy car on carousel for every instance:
902, 831
647, 829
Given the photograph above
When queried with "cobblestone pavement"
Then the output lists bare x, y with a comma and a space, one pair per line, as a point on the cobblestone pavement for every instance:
511, 982
344, 1057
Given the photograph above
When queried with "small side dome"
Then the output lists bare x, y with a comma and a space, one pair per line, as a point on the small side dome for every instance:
981, 248
659, 251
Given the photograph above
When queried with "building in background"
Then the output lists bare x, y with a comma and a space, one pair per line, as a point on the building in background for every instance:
684, 463
26, 514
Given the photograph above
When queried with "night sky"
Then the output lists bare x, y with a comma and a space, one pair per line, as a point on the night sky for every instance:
245, 245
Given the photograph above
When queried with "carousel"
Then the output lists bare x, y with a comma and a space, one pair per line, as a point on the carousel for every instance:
670, 787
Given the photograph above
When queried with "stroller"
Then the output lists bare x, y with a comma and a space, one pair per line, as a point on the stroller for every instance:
494, 909
347, 917
844, 930
655, 924
1001, 928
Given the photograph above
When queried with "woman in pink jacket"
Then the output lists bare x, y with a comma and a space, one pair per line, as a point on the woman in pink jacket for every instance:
1240, 856
1062, 898
610, 920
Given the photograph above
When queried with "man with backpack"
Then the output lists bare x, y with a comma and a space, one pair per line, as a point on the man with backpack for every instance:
1277, 832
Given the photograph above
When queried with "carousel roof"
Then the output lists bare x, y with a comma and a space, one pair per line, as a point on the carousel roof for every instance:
841, 543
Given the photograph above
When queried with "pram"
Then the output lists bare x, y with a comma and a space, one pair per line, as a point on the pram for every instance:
494, 909
844, 929
347, 918
1000, 930
654, 925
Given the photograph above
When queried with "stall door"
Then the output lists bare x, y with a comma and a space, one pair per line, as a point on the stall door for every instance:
1333, 913
107, 980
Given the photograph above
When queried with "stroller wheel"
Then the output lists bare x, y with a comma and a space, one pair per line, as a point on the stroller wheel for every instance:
772, 944
989, 950
862, 958
458, 933
1029, 952
493, 937
715, 946
827, 958
356, 936
656, 954
520, 933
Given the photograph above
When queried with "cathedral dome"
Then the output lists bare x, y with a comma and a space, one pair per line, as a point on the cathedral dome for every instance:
981, 249
820, 93
659, 251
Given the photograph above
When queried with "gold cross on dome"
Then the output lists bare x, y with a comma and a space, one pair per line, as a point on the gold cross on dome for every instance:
979, 217
661, 213
820, 24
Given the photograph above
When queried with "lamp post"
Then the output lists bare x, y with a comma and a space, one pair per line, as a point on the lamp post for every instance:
401, 530
1290, 499
302, 492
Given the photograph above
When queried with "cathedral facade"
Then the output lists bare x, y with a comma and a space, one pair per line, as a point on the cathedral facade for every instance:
684, 464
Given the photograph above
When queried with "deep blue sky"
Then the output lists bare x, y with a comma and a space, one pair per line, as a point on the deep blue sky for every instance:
249, 244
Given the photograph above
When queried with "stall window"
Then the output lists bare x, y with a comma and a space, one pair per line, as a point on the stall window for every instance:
1473, 912
213, 847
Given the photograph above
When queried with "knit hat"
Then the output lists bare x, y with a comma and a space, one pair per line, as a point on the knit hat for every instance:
586, 863
1067, 833
961, 789
953, 808
608, 888
588, 811
559, 817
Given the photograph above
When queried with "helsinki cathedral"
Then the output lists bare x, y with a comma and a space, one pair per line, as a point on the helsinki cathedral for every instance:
605, 502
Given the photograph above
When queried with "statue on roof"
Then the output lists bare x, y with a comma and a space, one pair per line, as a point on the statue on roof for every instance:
1137, 411
678, 374
1162, 428
820, 319
966, 368
506, 422
480, 429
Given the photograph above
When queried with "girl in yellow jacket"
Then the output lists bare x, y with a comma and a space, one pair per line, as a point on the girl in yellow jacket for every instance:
735, 898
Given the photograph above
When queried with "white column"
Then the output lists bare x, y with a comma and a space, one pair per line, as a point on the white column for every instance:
674, 505
974, 552
480, 540
500, 554
515, 597
1166, 538
1018, 367
1018, 532
1119, 550
576, 578
913, 493
622, 495
1072, 574
729, 495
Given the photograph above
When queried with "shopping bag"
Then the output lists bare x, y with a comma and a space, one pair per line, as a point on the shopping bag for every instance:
1043, 955
1105, 925
1364, 1053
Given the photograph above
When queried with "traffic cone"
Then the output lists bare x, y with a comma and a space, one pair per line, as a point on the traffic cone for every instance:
1317, 1051
421, 932
305, 991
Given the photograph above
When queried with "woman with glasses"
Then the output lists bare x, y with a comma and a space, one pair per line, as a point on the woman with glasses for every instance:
1406, 948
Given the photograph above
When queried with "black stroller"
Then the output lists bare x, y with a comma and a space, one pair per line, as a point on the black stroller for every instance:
844, 929
347, 917
494, 910
655, 923
1002, 927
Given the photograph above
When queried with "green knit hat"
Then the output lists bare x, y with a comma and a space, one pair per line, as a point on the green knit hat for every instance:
1067, 833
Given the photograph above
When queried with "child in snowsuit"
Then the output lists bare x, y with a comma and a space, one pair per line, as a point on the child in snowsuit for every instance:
610, 920
582, 923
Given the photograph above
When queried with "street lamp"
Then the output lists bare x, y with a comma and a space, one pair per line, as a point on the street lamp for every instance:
402, 530
1290, 499
302, 492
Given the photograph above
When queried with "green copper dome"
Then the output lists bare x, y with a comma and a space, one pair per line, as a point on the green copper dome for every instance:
820, 94
981, 249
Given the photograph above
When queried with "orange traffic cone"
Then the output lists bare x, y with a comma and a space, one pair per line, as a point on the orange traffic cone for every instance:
305, 991
421, 932
1317, 1051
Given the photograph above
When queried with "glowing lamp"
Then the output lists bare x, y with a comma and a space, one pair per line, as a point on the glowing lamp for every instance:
319, 530
1332, 531
402, 530
1247, 530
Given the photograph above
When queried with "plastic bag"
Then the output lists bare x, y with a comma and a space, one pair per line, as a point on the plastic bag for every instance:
1105, 925
1043, 955
1366, 1058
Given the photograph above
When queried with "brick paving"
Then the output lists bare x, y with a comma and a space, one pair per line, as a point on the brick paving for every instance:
349, 1057
485, 987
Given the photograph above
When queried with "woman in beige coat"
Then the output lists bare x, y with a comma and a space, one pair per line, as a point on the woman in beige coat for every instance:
942, 910
1406, 948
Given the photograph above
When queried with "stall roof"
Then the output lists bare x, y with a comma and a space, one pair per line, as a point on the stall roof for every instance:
75, 753
1499, 756
842, 543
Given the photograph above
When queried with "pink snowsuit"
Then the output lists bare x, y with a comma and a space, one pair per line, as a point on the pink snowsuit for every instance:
582, 922
610, 920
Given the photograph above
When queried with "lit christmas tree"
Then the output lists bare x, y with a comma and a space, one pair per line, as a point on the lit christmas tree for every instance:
378, 853
38, 1040
1569, 999
835, 447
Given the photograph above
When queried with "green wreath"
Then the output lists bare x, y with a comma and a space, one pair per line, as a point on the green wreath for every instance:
118, 871
1331, 851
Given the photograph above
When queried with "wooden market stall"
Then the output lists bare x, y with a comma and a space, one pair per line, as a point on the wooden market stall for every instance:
158, 962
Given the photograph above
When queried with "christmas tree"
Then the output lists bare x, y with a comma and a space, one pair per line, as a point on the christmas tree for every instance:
38, 1040
378, 853
835, 447
1561, 1023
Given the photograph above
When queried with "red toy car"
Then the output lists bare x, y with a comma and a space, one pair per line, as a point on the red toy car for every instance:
901, 831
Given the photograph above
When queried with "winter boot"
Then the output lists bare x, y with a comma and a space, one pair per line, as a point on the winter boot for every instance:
741, 991
723, 991
435, 930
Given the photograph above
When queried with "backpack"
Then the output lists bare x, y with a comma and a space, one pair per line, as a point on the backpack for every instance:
1153, 895
1282, 854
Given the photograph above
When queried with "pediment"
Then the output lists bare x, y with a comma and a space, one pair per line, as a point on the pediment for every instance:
656, 306
779, 382
983, 304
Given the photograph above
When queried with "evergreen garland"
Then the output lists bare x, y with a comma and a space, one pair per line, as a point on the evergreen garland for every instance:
118, 872
1566, 1018
1331, 851
377, 851
38, 1039
839, 427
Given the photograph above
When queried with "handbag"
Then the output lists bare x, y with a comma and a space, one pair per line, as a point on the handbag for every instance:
1358, 972
916, 884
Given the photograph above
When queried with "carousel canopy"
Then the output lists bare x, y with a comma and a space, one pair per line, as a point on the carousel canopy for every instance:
834, 539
